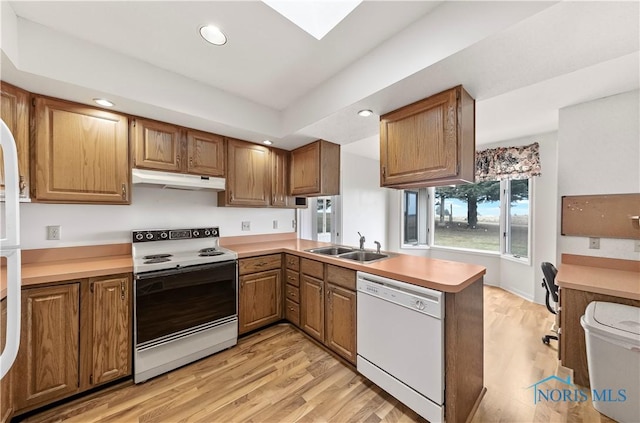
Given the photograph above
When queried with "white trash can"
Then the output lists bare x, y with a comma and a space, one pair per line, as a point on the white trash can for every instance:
612, 333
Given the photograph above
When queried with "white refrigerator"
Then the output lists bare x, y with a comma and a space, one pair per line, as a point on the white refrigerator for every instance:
10, 247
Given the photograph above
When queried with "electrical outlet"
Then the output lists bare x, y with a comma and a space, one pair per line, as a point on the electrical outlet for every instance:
246, 226
275, 224
594, 243
53, 232
636, 246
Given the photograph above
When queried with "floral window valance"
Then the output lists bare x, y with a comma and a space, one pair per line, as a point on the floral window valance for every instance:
508, 162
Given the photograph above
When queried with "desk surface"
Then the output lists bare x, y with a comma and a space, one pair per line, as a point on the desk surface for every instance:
619, 279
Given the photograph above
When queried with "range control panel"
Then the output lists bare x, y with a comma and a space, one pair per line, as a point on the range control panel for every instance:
174, 234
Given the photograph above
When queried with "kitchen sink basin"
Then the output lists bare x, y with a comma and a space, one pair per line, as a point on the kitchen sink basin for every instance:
364, 256
331, 251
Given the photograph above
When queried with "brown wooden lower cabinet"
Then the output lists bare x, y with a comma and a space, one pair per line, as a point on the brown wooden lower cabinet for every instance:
312, 306
6, 395
49, 345
75, 335
328, 306
340, 319
110, 339
260, 296
260, 299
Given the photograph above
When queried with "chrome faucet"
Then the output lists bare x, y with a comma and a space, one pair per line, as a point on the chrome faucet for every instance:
362, 240
377, 246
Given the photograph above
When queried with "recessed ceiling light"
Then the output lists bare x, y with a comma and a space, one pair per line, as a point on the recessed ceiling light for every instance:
267, 142
213, 35
365, 113
104, 102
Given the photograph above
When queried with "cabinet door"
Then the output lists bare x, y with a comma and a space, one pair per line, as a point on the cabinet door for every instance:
6, 386
305, 169
15, 113
248, 175
48, 356
111, 323
312, 306
205, 153
157, 145
419, 142
340, 316
81, 154
279, 178
260, 299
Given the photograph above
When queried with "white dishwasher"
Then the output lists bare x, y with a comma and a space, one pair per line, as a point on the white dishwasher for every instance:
401, 342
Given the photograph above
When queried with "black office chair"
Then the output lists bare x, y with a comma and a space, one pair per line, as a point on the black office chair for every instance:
549, 283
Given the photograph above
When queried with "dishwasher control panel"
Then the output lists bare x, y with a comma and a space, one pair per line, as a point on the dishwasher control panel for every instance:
423, 300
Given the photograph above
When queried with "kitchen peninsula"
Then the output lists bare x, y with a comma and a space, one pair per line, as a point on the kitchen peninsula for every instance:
461, 284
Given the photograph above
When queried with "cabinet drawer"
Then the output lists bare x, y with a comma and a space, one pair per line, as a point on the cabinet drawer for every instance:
293, 278
340, 276
292, 312
259, 264
293, 293
312, 268
292, 262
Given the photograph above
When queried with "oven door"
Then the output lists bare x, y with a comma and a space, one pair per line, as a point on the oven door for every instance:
170, 302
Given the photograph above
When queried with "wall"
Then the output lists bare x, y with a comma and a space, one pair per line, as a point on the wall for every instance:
599, 153
364, 203
151, 208
520, 278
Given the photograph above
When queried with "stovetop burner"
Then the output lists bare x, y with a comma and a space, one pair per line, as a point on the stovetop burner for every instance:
157, 260
210, 253
164, 249
157, 256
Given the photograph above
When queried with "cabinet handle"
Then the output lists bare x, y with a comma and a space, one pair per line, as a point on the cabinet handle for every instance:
22, 185
178, 160
124, 191
122, 288
231, 194
384, 171
190, 162
291, 278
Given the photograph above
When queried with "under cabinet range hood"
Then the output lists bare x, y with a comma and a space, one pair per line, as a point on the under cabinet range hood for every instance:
176, 180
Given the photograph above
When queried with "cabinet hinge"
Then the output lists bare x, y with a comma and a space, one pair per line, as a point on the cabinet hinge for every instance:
90, 379
33, 101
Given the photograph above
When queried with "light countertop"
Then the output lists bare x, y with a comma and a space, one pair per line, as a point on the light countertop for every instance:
619, 278
47, 266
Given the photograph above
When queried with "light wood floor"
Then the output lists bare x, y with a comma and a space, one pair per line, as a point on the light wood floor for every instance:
279, 375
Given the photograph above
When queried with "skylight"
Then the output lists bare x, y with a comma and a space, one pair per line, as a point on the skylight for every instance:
315, 17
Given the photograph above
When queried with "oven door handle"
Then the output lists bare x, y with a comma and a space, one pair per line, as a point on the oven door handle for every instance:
180, 270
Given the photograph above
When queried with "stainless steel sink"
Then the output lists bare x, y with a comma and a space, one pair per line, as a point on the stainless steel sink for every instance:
363, 256
331, 251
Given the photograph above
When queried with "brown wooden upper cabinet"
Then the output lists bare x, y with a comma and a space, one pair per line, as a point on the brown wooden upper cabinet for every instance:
157, 145
315, 169
15, 113
248, 181
430, 142
81, 154
171, 148
279, 178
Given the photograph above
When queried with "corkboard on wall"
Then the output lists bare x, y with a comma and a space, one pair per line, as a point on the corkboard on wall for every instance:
603, 216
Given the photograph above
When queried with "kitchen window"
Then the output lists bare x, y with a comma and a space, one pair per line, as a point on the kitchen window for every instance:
490, 216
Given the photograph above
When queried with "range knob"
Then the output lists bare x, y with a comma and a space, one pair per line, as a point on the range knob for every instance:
419, 305
139, 236
149, 236
163, 235
207, 232
196, 233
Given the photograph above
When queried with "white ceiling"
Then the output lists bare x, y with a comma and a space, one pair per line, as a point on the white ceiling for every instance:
522, 61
